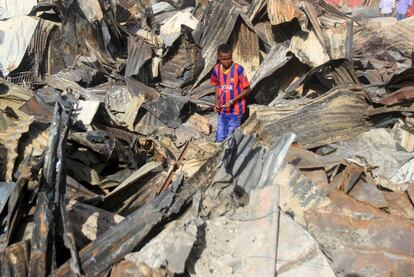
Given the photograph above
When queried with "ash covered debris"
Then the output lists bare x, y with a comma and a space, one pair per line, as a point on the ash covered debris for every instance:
108, 160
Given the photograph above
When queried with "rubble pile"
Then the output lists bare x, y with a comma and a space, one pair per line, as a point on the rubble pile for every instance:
108, 165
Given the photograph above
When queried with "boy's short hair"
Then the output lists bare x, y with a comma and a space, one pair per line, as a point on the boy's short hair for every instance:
224, 48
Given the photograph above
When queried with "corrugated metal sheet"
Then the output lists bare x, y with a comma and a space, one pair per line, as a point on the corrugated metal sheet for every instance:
331, 16
255, 8
362, 239
202, 90
10, 140
246, 49
170, 30
401, 36
167, 109
275, 59
280, 11
213, 30
39, 43
149, 124
139, 52
15, 260
336, 115
136, 87
264, 31
329, 37
280, 77
373, 37
341, 71
182, 64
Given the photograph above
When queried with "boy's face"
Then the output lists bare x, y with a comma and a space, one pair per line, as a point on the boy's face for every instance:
226, 59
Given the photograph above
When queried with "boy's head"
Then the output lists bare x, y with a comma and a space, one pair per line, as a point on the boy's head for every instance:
225, 55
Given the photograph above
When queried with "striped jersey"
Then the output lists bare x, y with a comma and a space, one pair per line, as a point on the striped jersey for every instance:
230, 84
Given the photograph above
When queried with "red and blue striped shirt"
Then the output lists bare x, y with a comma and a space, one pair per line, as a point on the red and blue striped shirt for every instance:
230, 84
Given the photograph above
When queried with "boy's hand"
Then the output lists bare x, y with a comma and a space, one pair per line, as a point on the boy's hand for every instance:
228, 104
216, 108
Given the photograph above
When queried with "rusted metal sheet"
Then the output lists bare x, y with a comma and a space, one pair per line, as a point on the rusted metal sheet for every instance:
42, 112
136, 87
369, 193
298, 193
340, 71
281, 11
400, 80
399, 204
13, 96
405, 93
10, 138
400, 36
336, 41
361, 239
14, 261
351, 176
331, 16
246, 48
371, 37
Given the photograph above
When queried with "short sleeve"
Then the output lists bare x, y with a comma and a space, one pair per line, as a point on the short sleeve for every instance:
244, 82
214, 78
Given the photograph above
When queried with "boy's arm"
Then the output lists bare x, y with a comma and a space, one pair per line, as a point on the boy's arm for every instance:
215, 82
217, 102
244, 93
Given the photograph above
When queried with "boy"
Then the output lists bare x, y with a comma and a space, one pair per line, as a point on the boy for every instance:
232, 88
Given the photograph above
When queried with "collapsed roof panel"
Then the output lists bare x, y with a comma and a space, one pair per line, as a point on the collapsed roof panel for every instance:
361, 239
337, 115
167, 109
281, 11
182, 63
213, 30
246, 50
139, 52
276, 58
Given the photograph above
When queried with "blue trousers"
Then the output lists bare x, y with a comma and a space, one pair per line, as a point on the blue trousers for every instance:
226, 124
400, 16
